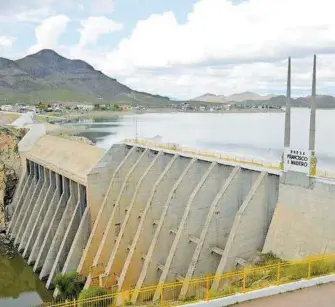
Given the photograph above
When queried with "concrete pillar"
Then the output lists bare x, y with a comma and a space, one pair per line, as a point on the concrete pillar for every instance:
30, 205
105, 211
169, 217
56, 215
78, 244
67, 239
287, 137
25, 200
249, 229
181, 227
119, 210
43, 223
61, 230
133, 260
204, 231
37, 222
135, 213
313, 111
44, 184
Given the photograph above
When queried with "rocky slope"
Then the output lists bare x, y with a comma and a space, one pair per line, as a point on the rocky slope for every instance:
47, 74
10, 167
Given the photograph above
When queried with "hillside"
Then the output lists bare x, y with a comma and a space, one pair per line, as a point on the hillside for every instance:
239, 97
255, 100
46, 75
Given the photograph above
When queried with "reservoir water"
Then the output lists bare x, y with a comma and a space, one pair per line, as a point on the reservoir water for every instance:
19, 286
258, 135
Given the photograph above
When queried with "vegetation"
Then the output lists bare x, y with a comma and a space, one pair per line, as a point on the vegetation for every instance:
69, 284
83, 300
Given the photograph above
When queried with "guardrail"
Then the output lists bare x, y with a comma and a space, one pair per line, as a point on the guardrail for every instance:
223, 157
201, 289
206, 154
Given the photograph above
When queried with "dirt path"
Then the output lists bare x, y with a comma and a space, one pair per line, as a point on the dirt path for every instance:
318, 296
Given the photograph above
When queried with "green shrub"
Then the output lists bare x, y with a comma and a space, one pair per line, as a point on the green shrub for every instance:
93, 292
69, 284
322, 267
296, 272
270, 258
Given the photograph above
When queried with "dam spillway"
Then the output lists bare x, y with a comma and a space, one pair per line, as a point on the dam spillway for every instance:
134, 216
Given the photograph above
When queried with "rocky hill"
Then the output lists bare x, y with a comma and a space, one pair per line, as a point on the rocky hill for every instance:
46, 75
238, 97
255, 100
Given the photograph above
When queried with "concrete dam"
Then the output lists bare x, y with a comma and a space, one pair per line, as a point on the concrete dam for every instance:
135, 216
142, 214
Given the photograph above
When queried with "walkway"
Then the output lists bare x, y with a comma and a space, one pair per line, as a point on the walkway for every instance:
317, 296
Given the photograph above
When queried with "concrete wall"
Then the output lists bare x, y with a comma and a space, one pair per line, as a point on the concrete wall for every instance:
136, 216
313, 206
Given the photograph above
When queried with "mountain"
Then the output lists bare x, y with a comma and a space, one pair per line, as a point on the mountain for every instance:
252, 99
46, 75
322, 102
239, 97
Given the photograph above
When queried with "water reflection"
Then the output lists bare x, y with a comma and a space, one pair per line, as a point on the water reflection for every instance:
19, 286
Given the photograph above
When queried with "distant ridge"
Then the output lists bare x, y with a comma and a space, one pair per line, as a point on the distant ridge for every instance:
322, 101
238, 97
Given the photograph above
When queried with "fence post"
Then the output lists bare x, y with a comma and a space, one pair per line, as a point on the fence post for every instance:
74, 302
309, 268
162, 299
278, 273
207, 288
244, 280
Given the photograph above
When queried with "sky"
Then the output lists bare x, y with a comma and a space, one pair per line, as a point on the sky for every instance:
182, 48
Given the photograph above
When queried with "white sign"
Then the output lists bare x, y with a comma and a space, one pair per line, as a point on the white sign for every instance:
296, 160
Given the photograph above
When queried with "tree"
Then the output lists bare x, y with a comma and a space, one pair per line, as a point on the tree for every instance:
69, 284
94, 291
97, 106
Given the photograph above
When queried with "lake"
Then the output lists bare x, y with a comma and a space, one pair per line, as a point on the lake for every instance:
258, 135
19, 286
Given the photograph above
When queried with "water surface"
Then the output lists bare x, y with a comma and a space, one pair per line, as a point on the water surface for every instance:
259, 135
19, 286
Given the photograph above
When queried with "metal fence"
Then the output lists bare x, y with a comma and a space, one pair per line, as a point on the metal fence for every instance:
207, 154
240, 160
212, 287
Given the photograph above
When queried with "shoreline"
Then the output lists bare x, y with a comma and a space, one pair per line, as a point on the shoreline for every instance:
114, 114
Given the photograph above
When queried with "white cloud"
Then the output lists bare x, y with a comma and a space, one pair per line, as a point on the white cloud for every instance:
49, 32
218, 30
94, 27
172, 57
34, 15
221, 48
6, 41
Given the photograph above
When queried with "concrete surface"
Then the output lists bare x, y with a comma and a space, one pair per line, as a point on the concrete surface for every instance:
73, 160
315, 296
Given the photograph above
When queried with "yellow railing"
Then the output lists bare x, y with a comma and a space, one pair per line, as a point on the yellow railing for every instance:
206, 154
212, 287
223, 157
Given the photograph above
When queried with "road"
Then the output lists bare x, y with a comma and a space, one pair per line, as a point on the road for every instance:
317, 296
